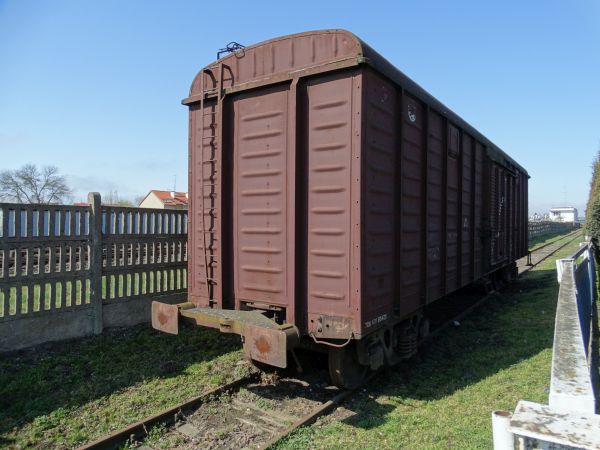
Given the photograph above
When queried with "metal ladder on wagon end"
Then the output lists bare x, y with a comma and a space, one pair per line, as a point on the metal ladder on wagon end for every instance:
212, 138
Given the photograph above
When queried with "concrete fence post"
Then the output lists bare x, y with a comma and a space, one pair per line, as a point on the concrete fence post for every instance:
503, 439
94, 201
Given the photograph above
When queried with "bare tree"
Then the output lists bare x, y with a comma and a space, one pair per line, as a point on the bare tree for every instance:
29, 184
139, 199
113, 198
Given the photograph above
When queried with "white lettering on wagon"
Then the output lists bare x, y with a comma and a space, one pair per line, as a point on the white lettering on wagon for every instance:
412, 112
376, 320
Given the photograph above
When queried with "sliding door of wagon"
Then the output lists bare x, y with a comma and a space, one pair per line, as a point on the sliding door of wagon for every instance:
329, 162
263, 197
498, 213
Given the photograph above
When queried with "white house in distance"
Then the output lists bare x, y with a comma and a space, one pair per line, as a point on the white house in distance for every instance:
563, 214
165, 200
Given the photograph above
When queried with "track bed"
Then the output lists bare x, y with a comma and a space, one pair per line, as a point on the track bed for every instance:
261, 409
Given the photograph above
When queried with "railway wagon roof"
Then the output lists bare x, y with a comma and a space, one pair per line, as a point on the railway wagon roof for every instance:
286, 57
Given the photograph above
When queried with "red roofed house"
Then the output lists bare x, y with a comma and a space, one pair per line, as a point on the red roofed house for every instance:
165, 200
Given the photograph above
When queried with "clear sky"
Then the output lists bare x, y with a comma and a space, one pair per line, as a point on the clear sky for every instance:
95, 87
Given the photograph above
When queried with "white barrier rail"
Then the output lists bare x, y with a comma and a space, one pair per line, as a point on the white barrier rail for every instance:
569, 420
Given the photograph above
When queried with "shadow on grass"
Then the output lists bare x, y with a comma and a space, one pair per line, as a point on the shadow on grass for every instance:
513, 325
67, 374
510, 327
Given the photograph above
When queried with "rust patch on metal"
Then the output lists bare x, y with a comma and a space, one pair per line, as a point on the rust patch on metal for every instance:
269, 345
262, 345
165, 317
162, 318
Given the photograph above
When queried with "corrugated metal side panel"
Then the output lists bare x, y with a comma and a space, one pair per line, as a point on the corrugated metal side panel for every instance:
500, 210
493, 212
504, 215
516, 216
435, 205
478, 254
524, 216
512, 240
411, 204
452, 156
468, 220
203, 180
195, 291
261, 230
329, 142
280, 56
379, 145
508, 202
292, 53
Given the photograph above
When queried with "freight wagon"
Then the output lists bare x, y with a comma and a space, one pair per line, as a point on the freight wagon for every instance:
331, 200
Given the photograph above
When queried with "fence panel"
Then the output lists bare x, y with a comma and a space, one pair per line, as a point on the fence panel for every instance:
140, 260
44, 259
102, 264
542, 228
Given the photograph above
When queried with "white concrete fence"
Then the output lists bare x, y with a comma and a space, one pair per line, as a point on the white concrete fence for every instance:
70, 271
569, 420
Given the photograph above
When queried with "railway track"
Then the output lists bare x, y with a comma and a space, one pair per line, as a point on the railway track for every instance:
252, 412
542, 253
259, 410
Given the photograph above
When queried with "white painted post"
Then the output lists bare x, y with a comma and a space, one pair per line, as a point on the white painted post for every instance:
559, 269
502, 438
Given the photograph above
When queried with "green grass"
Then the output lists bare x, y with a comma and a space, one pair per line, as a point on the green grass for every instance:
540, 241
443, 398
65, 394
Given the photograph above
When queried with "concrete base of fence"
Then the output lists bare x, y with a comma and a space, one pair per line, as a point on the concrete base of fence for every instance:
34, 329
129, 313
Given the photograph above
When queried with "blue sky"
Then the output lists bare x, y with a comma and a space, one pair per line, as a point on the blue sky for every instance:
95, 87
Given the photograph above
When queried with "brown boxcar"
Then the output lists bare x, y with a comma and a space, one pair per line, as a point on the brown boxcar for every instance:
332, 199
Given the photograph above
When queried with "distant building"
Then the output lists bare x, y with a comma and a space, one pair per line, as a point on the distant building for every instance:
563, 214
165, 200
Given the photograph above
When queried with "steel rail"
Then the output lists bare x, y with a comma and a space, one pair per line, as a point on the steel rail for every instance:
479, 302
312, 416
168, 416
573, 234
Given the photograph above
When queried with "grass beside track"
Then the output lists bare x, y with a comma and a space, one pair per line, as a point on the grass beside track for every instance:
443, 398
65, 394
540, 241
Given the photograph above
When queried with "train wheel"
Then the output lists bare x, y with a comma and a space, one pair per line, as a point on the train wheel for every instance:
344, 369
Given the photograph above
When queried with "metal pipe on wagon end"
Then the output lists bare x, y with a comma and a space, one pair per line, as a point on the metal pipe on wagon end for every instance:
502, 438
